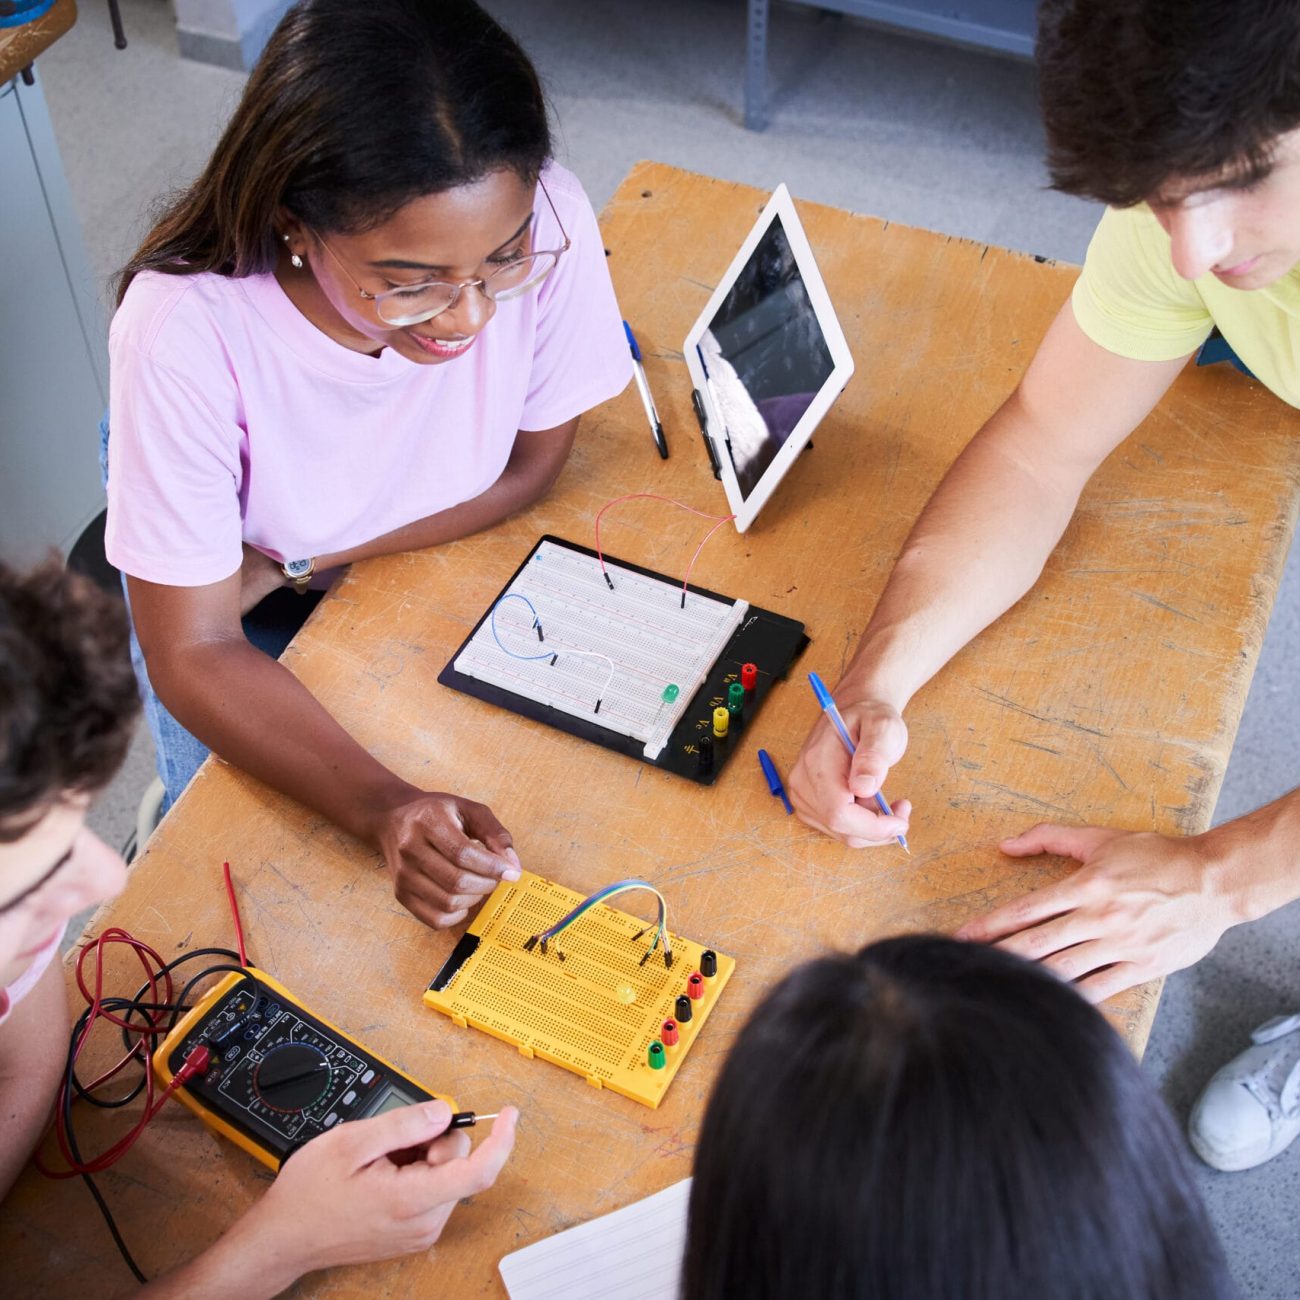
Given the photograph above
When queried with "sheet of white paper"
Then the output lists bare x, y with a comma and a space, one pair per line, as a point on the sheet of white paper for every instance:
632, 1254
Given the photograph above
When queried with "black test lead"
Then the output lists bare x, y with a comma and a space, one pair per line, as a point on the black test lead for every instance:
467, 1119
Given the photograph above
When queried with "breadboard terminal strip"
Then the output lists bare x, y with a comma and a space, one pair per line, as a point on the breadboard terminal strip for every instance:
569, 979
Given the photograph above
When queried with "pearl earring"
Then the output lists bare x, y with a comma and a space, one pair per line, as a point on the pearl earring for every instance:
294, 260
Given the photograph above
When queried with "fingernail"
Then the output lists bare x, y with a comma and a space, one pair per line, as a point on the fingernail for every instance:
510, 873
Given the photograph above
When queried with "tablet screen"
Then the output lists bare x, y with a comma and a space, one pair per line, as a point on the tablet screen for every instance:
765, 356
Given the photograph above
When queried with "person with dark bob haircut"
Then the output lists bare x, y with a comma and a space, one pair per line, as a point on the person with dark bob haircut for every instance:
370, 325
68, 704
1184, 117
934, 1120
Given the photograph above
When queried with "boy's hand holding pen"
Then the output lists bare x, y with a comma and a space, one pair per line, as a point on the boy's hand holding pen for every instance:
834, 778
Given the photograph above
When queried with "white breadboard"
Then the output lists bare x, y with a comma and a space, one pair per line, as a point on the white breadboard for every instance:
640, 625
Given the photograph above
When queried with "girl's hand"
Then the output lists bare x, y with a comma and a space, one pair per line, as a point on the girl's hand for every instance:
446, 854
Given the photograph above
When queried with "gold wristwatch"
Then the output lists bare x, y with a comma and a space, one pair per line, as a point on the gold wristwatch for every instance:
298, 574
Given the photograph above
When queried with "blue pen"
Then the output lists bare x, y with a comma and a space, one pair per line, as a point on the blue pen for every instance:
643, 387
773, 779
828, 705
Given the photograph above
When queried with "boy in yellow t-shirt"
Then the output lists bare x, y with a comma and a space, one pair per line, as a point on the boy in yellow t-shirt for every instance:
1184, 117
1132, 301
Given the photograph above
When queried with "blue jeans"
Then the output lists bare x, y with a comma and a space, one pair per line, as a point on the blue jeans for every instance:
269, 627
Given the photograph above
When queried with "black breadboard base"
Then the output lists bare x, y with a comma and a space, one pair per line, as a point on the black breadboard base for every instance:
768, 640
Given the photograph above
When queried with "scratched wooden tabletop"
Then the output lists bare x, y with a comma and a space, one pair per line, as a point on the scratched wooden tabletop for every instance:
1110, 694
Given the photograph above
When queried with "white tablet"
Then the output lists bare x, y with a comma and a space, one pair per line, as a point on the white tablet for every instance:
767, 358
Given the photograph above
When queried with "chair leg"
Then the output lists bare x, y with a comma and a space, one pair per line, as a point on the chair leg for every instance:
149, 814
756, 65
119, 32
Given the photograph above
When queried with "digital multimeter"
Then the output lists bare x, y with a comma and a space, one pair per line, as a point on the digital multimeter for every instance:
279, 1075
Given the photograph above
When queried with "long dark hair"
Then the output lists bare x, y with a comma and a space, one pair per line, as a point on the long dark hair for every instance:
933, 1120
355, 108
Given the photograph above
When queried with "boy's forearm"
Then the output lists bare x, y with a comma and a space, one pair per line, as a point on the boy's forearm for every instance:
1253, 862
978, 546
984, 537
242, 1263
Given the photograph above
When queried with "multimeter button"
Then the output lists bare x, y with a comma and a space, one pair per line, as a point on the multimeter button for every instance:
349, 1098
273, 1009
330, 1120
368, 1077
231, 1053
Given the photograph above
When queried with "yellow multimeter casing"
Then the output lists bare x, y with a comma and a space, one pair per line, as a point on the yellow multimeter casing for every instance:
279, 1074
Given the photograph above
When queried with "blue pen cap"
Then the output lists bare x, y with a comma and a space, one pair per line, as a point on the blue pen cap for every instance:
631, 341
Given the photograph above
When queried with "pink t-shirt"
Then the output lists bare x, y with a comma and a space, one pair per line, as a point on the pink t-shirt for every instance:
234, 419
10, 997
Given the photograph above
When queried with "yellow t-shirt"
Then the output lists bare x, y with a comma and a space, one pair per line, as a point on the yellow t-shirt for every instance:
1132, 302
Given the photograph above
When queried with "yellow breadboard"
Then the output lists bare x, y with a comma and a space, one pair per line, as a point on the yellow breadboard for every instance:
596, 1012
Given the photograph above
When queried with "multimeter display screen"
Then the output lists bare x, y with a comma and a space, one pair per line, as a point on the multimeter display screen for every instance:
392, 1099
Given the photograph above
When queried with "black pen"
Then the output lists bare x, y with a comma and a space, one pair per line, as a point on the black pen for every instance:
643, 388
703, 422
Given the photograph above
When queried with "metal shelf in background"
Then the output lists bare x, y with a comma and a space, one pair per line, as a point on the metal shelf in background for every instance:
1006, 26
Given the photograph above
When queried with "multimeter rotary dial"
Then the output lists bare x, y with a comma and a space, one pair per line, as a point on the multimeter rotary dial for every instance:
292, 1077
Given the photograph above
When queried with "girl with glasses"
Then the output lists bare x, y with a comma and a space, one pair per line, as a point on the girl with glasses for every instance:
371, 325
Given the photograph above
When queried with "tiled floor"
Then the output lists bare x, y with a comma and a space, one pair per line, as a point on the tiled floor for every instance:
912, 131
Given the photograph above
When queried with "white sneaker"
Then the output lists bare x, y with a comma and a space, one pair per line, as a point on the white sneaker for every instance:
1250, 1109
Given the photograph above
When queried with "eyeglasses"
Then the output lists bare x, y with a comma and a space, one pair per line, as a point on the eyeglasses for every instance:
412, 304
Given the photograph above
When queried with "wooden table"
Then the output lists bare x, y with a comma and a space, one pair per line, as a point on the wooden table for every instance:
1111, 694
